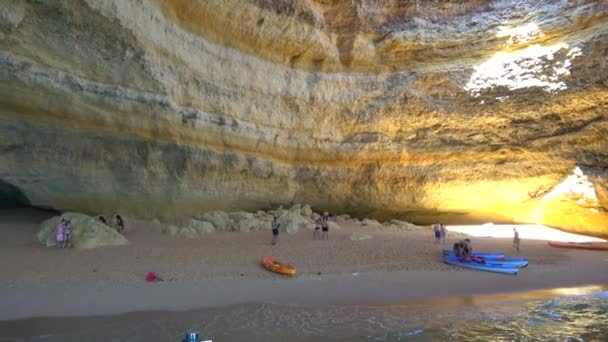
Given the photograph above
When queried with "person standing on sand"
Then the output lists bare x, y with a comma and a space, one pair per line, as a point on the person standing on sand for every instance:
325, 225
516, 240
275, 230
437, 230
443, 231
318, 224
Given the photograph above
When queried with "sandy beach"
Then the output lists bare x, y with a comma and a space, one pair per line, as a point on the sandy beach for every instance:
223, 269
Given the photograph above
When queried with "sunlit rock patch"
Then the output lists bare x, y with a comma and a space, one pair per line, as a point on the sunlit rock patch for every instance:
459, 111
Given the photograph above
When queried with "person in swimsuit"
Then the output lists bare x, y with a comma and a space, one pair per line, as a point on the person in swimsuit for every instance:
325, 225
516, 240
275, 230
443, 231
318, 224
67, 233
437, 231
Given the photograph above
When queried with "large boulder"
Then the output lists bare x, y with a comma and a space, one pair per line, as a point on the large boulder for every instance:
371, 223
401, 225
87, 232
292, 220
306, 210
219, 219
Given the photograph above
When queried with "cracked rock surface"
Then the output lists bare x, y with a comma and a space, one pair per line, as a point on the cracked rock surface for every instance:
459, 111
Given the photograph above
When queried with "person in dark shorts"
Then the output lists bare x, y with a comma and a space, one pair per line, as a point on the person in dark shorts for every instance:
318, 224
67, 232
275, 230
325, 226
437, 230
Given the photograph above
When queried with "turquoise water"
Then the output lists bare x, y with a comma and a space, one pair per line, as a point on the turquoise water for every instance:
558, 318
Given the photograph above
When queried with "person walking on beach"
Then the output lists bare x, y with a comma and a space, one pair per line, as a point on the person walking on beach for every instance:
275, 230
437, 230
444, 232
516, 240
325, 226
318, 224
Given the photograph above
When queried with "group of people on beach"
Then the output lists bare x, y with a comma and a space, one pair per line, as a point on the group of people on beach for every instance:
440, 232
321, 228
463, 249
63, 229
119, 223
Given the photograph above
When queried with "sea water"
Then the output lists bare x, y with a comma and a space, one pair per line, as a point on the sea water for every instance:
519, 317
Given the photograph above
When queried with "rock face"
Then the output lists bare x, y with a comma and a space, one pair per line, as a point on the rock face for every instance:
87, 232
421, 110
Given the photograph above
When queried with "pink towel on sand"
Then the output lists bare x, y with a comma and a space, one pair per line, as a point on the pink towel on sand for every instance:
152, 277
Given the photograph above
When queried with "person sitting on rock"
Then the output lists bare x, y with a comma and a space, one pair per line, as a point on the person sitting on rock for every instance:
120, 224
102, 220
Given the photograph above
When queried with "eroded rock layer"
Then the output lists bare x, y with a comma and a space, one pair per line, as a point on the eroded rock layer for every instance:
455, 111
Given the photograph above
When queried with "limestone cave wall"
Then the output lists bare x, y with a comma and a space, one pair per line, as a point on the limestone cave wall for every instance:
461, 111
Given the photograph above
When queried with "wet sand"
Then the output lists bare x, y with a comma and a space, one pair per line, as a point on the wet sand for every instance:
223, 269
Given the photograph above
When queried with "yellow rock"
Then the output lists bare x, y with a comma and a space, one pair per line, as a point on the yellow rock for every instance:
461, 111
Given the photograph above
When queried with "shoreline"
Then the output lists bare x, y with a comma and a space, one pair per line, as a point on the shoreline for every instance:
457, 309
394, 289
223, 269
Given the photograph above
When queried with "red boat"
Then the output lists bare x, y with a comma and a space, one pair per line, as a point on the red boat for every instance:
596, 246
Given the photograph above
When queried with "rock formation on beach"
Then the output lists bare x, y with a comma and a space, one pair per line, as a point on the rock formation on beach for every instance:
459, 111
87, 233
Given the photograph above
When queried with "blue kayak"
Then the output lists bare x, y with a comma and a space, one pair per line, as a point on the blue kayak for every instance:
515, 262
497, 268
481, 254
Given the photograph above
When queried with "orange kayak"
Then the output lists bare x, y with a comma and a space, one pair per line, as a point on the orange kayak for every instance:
596, 246
278, 267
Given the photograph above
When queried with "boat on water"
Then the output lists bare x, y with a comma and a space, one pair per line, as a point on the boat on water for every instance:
596, 246
278, 267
